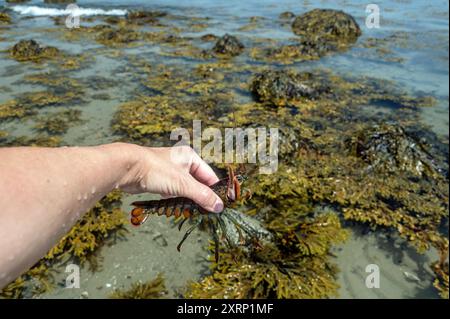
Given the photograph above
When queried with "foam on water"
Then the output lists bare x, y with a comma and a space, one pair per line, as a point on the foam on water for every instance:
42, 11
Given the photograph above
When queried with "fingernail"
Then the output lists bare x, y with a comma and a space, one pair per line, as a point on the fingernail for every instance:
218, 206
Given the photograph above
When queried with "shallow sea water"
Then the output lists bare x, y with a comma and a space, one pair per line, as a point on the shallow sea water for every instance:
151, 249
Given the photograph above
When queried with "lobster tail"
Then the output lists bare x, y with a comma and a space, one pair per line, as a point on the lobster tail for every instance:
169, 207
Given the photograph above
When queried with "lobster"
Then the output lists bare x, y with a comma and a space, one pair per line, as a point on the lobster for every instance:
228, 189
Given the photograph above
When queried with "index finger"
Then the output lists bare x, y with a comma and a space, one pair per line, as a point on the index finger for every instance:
201, 171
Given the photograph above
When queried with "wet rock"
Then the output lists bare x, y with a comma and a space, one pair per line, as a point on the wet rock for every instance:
145, 17
280, 87
117, 36
228, 45
327, 24
208, 37
287, 15
26, 48
30, 50
321, 31
389, 148
304, 50
4, 18
145, 14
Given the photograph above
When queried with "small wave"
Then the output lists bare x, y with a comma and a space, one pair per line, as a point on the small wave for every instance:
41, 11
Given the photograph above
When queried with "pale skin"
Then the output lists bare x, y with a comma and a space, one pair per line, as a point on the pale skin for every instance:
45, 191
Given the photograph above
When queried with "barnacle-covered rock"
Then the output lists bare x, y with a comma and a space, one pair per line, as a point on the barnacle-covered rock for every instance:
30, 50
228, 45
389, 148
280, 87
327, 24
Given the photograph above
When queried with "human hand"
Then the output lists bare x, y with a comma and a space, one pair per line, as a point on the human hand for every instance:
173, 172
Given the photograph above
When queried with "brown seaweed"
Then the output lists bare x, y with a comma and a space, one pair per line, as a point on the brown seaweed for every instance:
152, 289
228, 45
30, 50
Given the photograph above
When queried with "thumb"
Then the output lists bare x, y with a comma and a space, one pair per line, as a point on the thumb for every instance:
202, 195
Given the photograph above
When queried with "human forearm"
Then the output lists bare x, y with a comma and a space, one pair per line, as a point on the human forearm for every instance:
44, 191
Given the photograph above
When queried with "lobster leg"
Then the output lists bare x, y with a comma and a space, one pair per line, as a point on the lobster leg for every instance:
181, 223
186, 235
